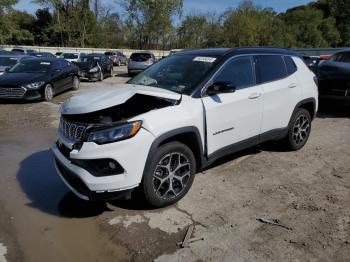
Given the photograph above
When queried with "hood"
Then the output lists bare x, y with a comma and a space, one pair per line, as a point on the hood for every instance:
18, 79
105, 97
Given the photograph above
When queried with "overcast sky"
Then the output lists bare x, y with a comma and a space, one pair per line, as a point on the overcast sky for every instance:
195, 5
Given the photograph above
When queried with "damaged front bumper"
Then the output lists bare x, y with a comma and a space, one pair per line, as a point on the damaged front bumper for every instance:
131, 154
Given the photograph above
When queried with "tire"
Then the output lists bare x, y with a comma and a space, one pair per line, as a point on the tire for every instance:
48, 92
100, 78
159, 186
76, 83
299, 130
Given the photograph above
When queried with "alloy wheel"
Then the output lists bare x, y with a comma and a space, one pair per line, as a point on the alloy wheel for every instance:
171, 175
301, 129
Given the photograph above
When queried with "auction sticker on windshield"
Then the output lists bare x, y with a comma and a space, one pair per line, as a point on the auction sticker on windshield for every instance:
204, 59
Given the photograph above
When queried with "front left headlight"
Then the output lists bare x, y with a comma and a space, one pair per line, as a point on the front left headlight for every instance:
94, 70
114, 134
35, 85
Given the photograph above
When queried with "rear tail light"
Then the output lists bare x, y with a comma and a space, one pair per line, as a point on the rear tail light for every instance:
325, 57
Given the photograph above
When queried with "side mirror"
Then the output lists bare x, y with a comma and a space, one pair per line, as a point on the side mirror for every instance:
7, 69
221, 87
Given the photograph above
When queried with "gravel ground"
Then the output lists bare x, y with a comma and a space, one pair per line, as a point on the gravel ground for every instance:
307, 191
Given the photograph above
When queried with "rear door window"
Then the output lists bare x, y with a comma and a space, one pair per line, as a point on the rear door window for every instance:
239, 71
269, 68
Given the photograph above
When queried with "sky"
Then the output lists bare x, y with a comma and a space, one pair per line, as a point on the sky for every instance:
191, 6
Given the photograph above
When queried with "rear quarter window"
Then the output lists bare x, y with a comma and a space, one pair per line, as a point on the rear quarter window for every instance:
269, 68
290, 65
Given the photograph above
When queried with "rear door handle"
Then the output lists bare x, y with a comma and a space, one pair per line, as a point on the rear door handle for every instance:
292, 85
254, 95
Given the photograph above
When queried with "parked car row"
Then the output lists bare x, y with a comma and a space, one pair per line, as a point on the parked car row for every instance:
30, 75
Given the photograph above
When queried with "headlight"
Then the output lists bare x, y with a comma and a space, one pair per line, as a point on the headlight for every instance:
94, 70
35, 85
115, 134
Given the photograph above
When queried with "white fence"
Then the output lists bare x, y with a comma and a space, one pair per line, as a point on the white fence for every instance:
53, 50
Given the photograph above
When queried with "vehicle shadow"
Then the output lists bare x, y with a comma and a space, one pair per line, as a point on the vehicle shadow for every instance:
46, 192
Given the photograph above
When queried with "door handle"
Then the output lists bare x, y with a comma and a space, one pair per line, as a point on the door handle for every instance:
254, 95
292, 85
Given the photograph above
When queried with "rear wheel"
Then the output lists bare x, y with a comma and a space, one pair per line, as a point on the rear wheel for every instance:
299, 130
48, 92
170, 175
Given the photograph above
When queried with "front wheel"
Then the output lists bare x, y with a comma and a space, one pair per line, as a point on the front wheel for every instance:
170, 175
48, 92
76, 83
299, 130
100, 78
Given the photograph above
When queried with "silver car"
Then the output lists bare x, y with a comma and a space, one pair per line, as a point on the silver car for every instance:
140, 61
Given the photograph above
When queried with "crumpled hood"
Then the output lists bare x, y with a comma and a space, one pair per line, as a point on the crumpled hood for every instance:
109, 96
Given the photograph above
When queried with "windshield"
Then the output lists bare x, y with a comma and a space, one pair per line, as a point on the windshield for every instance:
69, 56
180, 73
31, 67
88, 59
8, 61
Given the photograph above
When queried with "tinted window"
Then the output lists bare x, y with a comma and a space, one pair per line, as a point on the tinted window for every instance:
8, 61
342, 57
69, 55
30, 66
269, 68
140, 57
290, 65
238, 71
18, 50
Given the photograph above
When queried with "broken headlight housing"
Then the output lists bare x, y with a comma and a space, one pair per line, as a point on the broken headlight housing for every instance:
94, 70
114, 134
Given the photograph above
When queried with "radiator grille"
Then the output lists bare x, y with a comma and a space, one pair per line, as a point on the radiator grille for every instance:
12, 92
72, 131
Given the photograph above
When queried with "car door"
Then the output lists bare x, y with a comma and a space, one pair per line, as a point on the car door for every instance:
57, 76
235, 117
281, 89
68, 74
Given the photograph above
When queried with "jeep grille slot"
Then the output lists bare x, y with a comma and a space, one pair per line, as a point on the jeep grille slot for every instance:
71, 130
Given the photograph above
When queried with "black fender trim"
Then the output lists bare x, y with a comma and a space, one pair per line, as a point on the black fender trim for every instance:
305, 101
179, 131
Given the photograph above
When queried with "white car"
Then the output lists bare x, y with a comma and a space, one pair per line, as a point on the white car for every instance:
179, 116
72, 56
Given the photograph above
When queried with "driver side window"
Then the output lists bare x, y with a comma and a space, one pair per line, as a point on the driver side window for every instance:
238, 71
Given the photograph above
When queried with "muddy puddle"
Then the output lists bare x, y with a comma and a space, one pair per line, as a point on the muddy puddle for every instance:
43, 220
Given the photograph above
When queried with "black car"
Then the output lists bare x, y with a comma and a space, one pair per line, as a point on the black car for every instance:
38, 78
334, 76
94, 67
9, 59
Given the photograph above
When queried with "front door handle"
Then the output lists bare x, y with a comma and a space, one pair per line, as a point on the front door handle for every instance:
292, 85
254, 95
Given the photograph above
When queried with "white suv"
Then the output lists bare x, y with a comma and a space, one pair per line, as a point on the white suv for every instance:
178, 116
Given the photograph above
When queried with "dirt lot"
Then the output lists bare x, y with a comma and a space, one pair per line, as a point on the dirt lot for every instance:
308, 191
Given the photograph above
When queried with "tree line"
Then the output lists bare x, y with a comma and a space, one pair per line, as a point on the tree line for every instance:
151, 24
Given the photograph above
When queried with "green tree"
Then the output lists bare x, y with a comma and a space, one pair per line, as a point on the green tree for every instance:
150, 21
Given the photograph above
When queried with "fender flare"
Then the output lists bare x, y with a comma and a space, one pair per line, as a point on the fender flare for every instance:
172, 133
